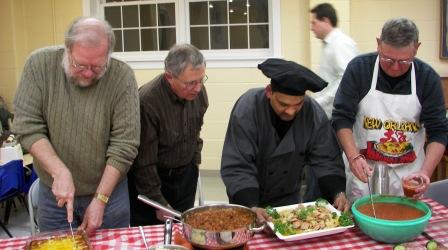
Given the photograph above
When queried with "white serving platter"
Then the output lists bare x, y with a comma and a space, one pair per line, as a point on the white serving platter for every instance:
312, 234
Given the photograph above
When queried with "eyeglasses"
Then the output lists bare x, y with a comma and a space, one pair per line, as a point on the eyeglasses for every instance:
391, 61
192, 84
80, 67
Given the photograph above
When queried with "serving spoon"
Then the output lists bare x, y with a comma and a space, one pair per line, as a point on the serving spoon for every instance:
370, 192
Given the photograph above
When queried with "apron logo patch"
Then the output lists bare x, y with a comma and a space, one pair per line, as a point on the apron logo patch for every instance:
371, 123
393, 147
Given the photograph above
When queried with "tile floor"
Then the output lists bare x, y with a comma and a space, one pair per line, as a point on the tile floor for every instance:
213, 191
18, 223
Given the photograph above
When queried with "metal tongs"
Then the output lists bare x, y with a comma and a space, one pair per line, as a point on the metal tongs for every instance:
370, 192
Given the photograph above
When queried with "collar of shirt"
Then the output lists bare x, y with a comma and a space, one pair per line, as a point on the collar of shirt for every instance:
394, 83
334, 33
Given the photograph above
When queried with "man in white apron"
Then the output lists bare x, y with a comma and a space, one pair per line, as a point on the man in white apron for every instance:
387, 104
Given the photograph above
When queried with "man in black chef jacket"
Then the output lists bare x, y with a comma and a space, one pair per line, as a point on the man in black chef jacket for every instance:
273, 133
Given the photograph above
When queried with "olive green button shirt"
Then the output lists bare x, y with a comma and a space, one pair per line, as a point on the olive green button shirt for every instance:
88, 127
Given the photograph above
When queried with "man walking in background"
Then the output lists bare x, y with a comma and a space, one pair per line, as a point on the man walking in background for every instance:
338, 49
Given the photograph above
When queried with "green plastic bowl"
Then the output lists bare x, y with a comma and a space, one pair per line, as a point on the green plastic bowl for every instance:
389, 231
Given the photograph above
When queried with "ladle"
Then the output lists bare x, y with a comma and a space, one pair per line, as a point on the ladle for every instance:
370, 192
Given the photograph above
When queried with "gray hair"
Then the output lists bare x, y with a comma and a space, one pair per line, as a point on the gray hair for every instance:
180, 56
399, 32
89, 31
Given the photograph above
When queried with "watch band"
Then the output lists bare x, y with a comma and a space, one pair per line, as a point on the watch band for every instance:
102, 197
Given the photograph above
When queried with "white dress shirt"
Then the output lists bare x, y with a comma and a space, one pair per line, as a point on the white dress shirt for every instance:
338, 50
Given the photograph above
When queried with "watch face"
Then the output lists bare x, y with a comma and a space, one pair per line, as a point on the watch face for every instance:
102, 197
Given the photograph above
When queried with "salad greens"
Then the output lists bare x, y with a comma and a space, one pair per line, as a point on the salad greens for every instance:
272, 212
345, 219
303, 213
321, 202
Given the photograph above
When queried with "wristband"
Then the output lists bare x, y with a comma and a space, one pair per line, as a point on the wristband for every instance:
102, 197
357, 157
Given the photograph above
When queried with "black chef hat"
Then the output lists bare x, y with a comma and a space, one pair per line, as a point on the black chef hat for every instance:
291, 78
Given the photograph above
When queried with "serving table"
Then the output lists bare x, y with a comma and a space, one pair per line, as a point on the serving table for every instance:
353, 238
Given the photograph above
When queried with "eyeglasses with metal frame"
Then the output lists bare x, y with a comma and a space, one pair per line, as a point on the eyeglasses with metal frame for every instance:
192, 84
80, 67
391, 61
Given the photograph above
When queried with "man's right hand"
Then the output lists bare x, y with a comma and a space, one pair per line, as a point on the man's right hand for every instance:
360, 168
262, 216
64, 191
358, 164
62, 187
162, 215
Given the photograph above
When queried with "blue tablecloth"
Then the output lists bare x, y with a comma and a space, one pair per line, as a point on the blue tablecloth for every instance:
13, 179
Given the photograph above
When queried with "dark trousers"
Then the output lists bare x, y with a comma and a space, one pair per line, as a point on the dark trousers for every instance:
178, 188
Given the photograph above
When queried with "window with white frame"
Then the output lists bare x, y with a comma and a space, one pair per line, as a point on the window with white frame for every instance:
227, 25
141, 25
224, 30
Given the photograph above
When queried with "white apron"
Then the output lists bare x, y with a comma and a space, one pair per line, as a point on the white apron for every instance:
387, 131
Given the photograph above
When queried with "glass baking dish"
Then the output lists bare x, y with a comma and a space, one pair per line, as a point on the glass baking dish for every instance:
59, 240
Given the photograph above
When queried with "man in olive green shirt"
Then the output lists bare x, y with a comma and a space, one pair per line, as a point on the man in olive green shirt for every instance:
77, 113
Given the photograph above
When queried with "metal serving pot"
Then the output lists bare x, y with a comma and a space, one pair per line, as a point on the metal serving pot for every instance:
210, 239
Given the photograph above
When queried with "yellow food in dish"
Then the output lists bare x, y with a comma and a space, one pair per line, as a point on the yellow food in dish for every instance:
76, 242
393, 148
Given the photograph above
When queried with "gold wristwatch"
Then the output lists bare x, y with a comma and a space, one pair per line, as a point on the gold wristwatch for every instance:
102, 197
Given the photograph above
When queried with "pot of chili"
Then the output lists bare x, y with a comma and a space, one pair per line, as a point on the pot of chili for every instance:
214, 226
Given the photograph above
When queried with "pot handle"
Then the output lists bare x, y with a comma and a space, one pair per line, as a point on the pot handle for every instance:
258, 229
159, 206
168, 232
173, 218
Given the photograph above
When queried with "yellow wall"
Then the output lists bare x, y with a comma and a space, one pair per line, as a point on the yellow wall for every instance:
10, 42
26, 25
368, 16
30, 24
363, 19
